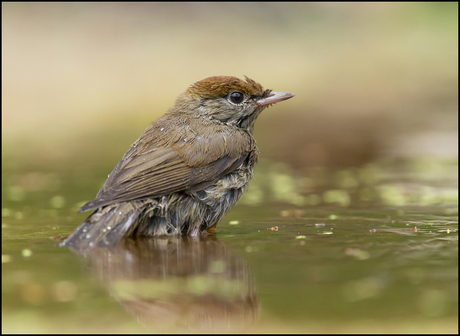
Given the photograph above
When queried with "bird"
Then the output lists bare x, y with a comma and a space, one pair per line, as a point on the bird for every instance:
186, 171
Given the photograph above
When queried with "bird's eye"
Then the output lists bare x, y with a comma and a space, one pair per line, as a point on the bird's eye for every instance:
236, 97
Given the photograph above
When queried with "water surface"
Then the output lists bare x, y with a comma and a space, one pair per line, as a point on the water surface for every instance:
373, 249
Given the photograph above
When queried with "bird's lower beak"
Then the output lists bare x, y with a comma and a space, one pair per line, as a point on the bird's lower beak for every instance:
274, 97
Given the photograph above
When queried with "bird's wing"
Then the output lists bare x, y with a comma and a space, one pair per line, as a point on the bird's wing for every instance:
189, 163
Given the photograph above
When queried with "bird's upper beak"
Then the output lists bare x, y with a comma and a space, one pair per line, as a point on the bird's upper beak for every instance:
274, 97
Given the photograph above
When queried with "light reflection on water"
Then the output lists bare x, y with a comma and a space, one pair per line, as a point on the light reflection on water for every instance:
274, 266
187, 282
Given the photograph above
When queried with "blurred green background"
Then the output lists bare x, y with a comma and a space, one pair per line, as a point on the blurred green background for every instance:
372, 80
350, 223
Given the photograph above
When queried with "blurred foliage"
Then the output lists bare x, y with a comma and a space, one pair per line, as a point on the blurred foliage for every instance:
371, 79
350, 223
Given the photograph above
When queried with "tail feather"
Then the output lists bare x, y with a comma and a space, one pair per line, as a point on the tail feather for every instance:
105, 227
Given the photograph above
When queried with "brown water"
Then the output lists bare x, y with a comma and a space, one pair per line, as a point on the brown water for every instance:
369, 244
373, 249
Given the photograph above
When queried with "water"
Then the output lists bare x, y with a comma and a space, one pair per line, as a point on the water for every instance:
363, 255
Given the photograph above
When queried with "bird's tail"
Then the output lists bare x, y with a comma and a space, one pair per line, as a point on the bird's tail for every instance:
105, 227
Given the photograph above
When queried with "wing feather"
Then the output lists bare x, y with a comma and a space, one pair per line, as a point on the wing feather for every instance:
161, 166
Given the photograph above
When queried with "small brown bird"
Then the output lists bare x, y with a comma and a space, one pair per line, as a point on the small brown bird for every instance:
187, 169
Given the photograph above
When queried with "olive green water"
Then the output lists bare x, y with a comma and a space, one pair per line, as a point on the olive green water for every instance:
369, 249
371, 246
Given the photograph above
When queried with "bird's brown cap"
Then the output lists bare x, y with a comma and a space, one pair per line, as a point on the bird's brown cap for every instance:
219, 86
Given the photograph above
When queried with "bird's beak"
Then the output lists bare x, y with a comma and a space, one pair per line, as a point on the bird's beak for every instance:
274, 97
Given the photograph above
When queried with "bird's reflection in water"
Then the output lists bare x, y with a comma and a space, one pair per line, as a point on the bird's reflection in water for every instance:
179, 282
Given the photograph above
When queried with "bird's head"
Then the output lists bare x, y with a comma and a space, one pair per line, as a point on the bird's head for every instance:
229, 100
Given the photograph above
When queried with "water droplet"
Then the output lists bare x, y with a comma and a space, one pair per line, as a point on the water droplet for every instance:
84, 230
88, 236
105, 230
162, 130
119, 213
91, 244
185, 140
108, 228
